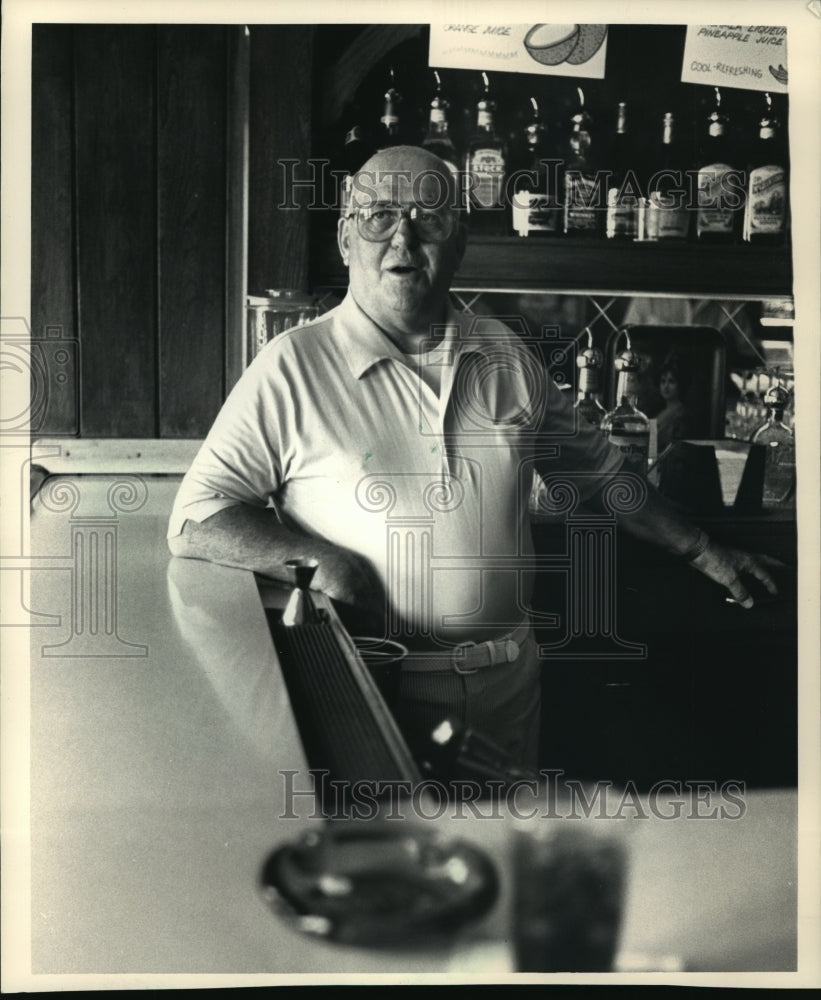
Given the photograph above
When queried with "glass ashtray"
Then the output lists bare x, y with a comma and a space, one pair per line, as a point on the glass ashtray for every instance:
362, 884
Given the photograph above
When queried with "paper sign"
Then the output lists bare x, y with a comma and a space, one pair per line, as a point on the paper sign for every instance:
750, 57
553, 49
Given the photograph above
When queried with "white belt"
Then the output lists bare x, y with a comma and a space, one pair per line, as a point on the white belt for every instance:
468, 657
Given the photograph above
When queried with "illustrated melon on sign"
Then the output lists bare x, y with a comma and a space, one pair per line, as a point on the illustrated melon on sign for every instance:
551, 44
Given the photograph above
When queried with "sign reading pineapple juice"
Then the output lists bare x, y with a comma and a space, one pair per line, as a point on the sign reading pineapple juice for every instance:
560, 49
750, 57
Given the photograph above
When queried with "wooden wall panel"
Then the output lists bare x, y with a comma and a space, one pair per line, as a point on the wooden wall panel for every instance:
52, 231
116, 222
191, 108
280, 116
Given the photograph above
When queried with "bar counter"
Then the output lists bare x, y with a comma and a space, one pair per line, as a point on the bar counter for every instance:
160, 730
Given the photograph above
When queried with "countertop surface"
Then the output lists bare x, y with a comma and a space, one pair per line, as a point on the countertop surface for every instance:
162, 748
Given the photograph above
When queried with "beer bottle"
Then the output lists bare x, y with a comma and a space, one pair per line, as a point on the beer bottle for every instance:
485, 166
666, 212
765, 210
535, 209
720, 188
583, 201
623, 191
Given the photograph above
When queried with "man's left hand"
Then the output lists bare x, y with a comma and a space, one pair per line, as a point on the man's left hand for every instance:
725, 566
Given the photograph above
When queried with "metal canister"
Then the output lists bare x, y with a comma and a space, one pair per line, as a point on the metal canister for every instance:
270, 314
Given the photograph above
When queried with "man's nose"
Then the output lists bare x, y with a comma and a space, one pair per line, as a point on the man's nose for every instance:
404, 234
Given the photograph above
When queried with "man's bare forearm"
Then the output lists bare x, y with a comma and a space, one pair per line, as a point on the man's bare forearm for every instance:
248, 537
255, 539
659, 522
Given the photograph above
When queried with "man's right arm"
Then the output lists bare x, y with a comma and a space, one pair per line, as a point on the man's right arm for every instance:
253, 538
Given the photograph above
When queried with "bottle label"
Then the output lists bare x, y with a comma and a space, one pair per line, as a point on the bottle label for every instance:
716, 208
437, 116
484, 119
389, 119
532, 212
580, 194
664, 223
487, 170
765, 212
634, 447
779, 471
621, 215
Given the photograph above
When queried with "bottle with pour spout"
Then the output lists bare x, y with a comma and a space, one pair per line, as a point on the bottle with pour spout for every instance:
625, 426
588, 404
778, 439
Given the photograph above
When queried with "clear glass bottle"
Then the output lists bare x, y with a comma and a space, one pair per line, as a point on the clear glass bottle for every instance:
588, 392
438, 139
485, 167
667, 216
535, 209
625, 426
355, 151
583, 201
623, 187
388, 132
779, 465
720, 185
765, 209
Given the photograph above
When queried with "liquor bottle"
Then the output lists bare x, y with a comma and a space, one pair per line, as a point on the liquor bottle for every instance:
388, 132
765, 210
588, 400
355, 150
623, 192
720, 185
625, 426
438, 138
779, 464
535, 209
485, 166
582, 199
666, 213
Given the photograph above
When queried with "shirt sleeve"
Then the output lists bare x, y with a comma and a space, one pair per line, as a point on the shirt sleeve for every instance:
240, 459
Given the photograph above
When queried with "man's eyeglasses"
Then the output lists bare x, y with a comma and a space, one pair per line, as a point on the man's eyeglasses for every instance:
379, 222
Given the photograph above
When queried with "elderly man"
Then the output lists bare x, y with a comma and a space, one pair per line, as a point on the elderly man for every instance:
394, 443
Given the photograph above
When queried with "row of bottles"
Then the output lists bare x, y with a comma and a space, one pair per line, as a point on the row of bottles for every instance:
532, 183
630, 430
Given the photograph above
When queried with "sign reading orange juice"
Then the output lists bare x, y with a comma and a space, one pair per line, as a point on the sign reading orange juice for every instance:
750, 57
558, 49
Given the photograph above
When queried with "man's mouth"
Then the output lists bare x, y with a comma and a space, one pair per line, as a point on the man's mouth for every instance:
401, 269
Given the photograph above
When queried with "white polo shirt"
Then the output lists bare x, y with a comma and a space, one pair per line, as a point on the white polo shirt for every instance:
333, 426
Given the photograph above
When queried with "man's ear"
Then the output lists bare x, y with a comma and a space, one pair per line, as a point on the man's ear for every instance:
343, 238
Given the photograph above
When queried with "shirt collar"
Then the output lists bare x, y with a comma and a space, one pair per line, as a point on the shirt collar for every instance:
365, 344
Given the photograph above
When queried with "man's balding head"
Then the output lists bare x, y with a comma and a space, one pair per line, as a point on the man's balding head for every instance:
405, 175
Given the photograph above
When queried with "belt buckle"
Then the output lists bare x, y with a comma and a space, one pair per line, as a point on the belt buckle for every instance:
512, 650
454, 659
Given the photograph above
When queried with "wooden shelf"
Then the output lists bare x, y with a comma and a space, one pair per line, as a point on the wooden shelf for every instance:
510, 263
